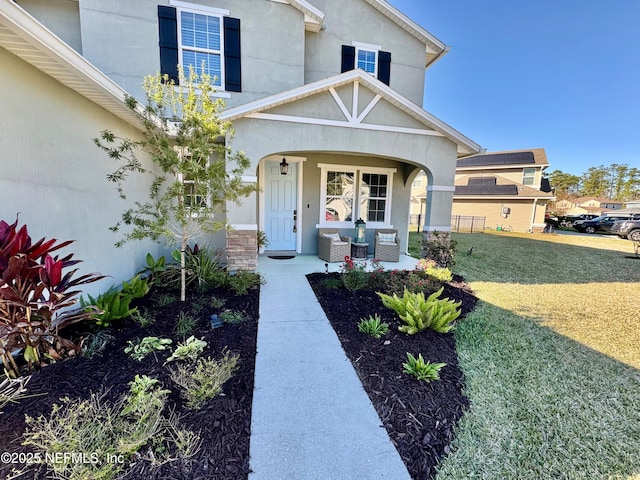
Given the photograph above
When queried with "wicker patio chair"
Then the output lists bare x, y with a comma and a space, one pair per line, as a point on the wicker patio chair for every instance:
386, 250
331, 249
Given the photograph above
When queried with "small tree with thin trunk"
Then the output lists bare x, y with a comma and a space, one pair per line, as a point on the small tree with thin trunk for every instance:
195, 173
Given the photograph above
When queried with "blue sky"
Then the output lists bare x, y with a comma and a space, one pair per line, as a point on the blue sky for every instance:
563, 75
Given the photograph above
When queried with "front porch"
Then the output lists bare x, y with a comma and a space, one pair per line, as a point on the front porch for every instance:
309, 263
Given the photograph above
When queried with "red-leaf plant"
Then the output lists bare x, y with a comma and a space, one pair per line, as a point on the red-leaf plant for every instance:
35, 298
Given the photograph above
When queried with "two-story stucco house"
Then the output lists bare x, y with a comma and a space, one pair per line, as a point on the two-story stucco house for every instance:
332, 89
506, 188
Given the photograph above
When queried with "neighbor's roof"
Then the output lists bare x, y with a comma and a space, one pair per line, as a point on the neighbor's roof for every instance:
580, 200
465, 145
28, 39
506, 159
494, 186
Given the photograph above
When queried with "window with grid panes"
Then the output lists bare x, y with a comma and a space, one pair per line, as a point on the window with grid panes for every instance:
339, 196
201, 44
373, 196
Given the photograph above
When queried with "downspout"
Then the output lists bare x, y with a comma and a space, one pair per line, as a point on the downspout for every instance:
533, 214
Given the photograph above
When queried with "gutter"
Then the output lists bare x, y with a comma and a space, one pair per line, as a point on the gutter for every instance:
438, 57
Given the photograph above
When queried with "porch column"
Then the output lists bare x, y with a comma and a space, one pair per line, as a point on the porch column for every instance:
242, 237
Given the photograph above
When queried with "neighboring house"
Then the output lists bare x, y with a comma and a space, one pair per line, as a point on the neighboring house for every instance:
632, 204
506, 188
331, 89
581, 205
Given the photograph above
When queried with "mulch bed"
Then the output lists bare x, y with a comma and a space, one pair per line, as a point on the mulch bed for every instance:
420, 417
223, 423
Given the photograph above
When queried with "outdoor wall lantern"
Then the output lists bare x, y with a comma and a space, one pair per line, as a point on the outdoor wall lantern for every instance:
361, 228
284, 166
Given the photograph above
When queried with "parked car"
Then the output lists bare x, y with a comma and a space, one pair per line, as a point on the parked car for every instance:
627, 229
570, 220
600, 224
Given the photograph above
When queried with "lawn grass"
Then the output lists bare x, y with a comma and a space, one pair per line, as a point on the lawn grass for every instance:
551, 358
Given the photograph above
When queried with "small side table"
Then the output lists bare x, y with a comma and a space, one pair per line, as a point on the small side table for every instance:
359, 251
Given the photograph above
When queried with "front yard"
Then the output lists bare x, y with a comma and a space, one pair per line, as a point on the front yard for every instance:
550, 357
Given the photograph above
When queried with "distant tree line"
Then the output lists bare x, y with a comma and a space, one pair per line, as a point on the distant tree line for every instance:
616, 181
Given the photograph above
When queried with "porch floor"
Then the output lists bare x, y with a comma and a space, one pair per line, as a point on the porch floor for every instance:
311, 417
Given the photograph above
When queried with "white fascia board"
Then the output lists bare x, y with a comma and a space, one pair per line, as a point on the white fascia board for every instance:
432, 43
465, 145
29, 40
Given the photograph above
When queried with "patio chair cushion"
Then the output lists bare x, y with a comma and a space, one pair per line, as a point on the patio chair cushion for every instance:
387, 244
387, 238
333, 236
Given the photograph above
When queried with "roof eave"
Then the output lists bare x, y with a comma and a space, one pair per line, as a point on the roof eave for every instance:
28, 39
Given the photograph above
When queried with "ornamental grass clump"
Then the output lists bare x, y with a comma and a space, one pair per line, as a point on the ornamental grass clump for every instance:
373, 326
425, 371
203, 380
419, 313
109, 435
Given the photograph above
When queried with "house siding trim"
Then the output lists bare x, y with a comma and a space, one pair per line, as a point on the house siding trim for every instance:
465, 145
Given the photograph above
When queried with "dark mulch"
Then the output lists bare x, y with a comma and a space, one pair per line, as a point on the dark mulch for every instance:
223, 423
420, 417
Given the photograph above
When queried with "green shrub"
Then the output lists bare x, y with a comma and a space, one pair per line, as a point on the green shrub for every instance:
95, 343
142, 317
232, 316
155, 269
106, 430
422, 370
203, 269
419, 313
241, 282
332, 283
138, 351
204, 380
185, 324
165, 299
217, 303
190, 349
354, 274
135, 288
373, 326
112, 305
440, 248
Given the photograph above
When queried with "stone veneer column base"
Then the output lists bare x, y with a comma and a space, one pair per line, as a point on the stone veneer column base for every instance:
242, 250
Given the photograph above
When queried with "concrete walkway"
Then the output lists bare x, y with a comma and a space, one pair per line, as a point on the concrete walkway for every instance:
311, 417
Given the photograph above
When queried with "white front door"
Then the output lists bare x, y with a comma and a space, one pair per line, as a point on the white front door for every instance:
281, 199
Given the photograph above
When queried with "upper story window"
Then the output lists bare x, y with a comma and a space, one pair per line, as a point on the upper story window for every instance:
200, 44
191, 35
529, 176
369, 58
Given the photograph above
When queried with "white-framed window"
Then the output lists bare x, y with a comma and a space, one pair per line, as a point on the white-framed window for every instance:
529, 176
201, 40
367, 57
351, 192
195, 193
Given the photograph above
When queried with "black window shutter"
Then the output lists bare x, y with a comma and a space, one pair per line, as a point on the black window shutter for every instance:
168, 30
232, 70
348, 58
384, 67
